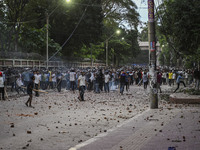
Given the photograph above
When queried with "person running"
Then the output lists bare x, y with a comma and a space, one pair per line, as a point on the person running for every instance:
30, 87
178, 81
81, 86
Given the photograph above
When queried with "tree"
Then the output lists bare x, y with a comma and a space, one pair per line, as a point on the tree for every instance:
122, 12
143, 36
15, 14
75, 29
180, 24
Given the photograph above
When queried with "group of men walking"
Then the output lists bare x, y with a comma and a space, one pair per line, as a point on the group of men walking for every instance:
97, 80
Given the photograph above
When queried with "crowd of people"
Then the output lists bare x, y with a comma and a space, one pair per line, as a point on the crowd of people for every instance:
97, 80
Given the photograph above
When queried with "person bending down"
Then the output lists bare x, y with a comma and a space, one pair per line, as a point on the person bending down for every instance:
178, 81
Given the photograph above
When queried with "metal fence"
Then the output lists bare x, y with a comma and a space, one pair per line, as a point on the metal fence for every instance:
16, 63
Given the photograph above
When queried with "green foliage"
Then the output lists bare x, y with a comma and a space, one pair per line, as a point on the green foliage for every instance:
192, 91
34, 40
120, 11
180, 26
75, 28
144, 34
93, 51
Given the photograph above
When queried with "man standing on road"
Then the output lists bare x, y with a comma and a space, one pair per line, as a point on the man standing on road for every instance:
72, 77
106, 84
37, 82
159, 80
81, 86
2, 85
122, 82
59, 81
145, 80
170, 75
30, 87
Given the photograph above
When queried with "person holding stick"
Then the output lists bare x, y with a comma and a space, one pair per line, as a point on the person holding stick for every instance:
30, 91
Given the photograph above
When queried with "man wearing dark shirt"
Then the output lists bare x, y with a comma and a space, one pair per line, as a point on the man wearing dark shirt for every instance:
30, 87
159, 78
122, 82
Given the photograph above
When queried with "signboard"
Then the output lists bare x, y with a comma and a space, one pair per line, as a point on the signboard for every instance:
151, 10
152, 46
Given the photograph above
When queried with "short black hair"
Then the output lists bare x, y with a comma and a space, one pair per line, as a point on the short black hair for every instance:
32, 78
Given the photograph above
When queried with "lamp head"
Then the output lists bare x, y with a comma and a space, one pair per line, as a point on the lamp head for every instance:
118, 31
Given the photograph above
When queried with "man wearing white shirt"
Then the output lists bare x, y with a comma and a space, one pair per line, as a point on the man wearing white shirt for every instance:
107, 79
81, 86
2, 85
91, 79
19, 84
37, 82
72, 77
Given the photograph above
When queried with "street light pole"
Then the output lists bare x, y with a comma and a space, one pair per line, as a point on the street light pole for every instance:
47, 34
152, 56
117, 32
47, 41
107, 53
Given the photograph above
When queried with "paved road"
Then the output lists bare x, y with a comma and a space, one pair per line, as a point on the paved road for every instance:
153, 130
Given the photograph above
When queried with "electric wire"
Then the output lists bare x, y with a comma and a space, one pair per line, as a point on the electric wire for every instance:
70, 34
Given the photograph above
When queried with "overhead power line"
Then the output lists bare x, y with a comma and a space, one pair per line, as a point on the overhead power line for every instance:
70, 34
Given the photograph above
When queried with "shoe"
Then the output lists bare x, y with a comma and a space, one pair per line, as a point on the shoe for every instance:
26, 104
79, 99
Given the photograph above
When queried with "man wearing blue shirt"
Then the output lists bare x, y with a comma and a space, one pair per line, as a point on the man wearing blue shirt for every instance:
178, 81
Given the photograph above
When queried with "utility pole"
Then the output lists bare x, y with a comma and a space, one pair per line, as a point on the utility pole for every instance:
47, 40
91, 58
152, 56
107, 53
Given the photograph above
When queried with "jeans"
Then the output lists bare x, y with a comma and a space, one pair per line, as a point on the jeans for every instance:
106, 87
72, 85
64, 83
68, 85
122, 87
97, 90
82, 91
2, 92
59, 83
178, 84
145, 85
36, 92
